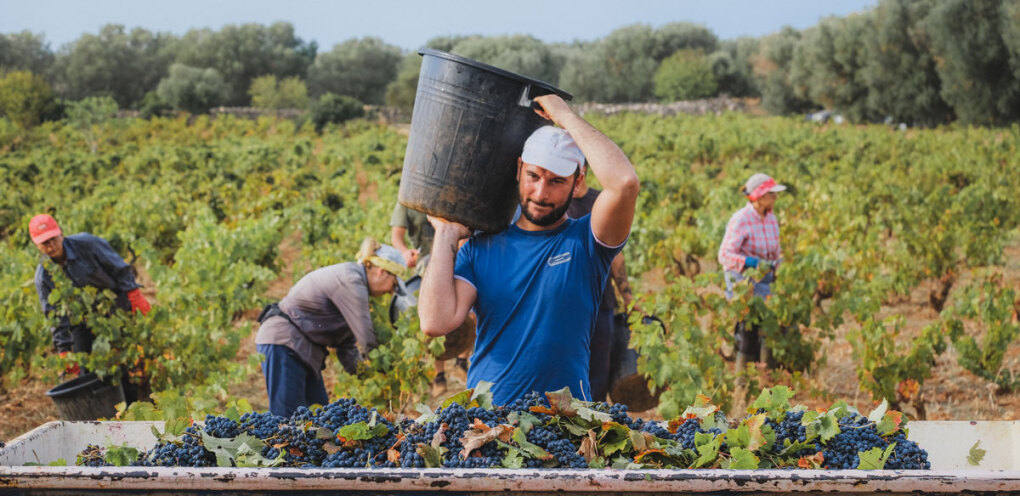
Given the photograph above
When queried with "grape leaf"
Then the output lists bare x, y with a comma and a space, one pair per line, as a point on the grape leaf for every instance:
176, 427
775, 401
590, 414
463, 398
756, 438
433, 456
513, 458
741, 459
361, 431
562, 402
232, 414
227, 450
707, 446
481, 395
59, 462
824, 426
891, 422
523, 420
530, 450
976, 454
249, 456
440, 436
702, 408
616, 437
426, 415
481, 434
814, 461
874, 458
589, 447
841, 409
878, 413
120, 456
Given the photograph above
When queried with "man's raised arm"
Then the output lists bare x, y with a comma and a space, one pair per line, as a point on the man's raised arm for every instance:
613, 212
443, 303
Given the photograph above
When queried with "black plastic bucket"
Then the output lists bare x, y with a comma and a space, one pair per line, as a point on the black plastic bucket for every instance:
86, 398
469, 125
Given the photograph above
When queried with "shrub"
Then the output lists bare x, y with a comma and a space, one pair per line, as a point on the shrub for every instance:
25, 98
268, 93
335, 109
685, 75
193, 89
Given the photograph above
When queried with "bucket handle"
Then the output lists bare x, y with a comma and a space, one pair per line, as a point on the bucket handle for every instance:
525, 99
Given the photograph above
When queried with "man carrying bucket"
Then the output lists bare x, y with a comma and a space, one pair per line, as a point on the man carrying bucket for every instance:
536, 286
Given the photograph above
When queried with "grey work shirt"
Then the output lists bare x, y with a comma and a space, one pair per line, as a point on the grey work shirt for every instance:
90, 262
418, 228
331, 307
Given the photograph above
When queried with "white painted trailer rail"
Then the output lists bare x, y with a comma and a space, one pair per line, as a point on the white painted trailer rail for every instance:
946, 442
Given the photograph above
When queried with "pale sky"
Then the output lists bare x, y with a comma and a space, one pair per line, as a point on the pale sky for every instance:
409, 24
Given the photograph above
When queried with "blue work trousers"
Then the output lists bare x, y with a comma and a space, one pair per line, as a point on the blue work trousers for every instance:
289, 382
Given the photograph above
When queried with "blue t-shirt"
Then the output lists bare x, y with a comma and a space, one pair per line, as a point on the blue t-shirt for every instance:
538, 296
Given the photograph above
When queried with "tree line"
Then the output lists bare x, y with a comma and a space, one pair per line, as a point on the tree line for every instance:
922, 62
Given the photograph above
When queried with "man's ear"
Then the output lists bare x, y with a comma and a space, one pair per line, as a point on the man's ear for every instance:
520, 164
578, 181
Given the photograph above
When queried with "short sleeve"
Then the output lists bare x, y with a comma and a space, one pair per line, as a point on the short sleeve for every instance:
596, 247
399, 216
464, 266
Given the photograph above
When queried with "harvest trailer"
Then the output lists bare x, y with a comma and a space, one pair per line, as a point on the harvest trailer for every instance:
948, 444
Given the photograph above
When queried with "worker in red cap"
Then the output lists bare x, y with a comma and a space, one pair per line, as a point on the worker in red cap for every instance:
88, 261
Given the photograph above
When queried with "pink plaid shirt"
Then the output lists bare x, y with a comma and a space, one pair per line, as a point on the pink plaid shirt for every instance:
749, 235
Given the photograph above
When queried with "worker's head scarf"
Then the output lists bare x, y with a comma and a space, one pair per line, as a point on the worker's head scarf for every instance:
383, 256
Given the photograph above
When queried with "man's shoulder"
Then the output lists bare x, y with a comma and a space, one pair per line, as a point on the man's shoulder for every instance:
84, 237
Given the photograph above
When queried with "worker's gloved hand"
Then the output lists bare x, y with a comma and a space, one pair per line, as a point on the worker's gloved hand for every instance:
138, 301
70, 369
751, 262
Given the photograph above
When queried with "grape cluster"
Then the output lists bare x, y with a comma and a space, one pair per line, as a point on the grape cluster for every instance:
858, 434
187, 452
554, 441
790, 428
221, 427
261, 425
92, 456
686, 431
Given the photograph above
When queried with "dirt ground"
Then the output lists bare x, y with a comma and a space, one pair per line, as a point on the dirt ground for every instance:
951, 394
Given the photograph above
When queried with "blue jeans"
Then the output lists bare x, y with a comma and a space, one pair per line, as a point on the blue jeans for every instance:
289, 382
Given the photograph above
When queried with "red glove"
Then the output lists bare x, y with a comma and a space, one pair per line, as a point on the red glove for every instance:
71, 368
138, 302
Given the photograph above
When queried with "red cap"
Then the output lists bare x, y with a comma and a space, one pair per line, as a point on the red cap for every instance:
42, 227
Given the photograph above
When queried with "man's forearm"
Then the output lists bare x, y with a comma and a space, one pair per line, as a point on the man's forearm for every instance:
437, 300
611, 166
397, 238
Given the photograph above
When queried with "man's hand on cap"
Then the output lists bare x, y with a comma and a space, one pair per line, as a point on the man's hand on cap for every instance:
553, 108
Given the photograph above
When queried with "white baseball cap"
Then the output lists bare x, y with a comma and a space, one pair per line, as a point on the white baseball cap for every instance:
554, 150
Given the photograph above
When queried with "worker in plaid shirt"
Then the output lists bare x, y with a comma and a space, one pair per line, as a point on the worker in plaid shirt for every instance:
752, 240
